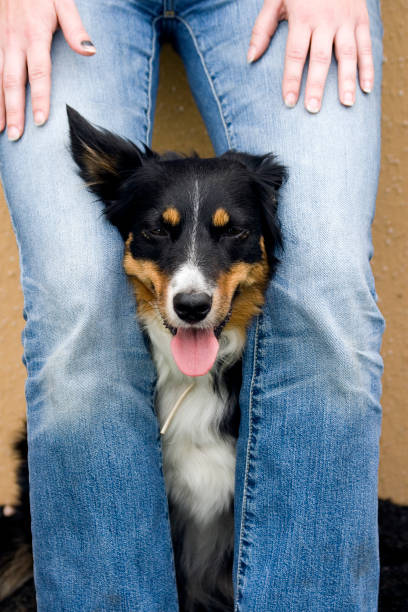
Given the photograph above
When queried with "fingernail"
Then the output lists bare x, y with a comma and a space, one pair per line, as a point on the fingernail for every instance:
13, 133
290, 100
39, 118
348, 99
251, 54
89, 46
313, 105
366, 87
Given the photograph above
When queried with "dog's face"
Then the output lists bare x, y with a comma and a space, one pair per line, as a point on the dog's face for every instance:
200, 234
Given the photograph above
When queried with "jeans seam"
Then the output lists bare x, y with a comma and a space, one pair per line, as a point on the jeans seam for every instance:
247, 466
153, 397
149, 81
208, 75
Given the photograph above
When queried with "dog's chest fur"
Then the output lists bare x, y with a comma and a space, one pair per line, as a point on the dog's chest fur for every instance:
199, 465
198, 452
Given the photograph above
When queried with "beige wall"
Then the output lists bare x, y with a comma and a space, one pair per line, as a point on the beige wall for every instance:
178, 126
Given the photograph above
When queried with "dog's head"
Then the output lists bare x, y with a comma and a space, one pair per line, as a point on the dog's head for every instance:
200, 234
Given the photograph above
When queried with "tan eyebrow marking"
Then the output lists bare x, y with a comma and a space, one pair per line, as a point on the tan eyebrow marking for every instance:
220, 217
171, 215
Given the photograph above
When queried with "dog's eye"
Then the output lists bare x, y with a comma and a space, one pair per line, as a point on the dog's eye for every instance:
236, 232
154, 233
159, 231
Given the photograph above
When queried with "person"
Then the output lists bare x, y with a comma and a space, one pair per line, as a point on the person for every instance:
307, 454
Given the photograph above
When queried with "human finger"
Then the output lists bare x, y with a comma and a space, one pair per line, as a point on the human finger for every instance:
39, 76
72, 27
263, 30
14, 80
297, 47
346, 54
365, 57
319, 63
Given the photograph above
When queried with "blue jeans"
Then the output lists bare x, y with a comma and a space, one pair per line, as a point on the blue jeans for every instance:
306, 483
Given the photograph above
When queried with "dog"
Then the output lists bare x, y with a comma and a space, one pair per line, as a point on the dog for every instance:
200, 240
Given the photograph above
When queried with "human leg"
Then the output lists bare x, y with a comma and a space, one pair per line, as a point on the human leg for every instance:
99, 514
306, 510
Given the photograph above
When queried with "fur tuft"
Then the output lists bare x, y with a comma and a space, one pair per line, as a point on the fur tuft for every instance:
16, 570
16, 563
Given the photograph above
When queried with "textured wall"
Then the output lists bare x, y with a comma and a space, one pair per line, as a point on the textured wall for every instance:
391, 252
178, 126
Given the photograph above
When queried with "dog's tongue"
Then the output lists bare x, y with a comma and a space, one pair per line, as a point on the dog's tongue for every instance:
194, 350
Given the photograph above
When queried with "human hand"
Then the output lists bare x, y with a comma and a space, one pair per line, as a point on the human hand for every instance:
318, 24
26, 29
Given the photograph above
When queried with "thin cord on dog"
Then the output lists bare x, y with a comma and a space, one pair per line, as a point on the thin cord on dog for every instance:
175, 408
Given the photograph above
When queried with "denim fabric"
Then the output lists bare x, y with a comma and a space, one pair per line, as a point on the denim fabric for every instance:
306, 487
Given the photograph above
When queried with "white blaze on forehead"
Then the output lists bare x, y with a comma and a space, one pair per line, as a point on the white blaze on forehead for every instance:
195, 200
187, 279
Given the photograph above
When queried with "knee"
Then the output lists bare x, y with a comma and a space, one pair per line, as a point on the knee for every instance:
329, 266
81, 333
76, 280
323, 299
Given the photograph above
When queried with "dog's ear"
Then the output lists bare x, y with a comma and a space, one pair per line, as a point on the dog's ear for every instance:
105, 161
266, 167
268, 176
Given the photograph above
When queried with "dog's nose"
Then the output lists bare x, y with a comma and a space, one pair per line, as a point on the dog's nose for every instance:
192, 307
